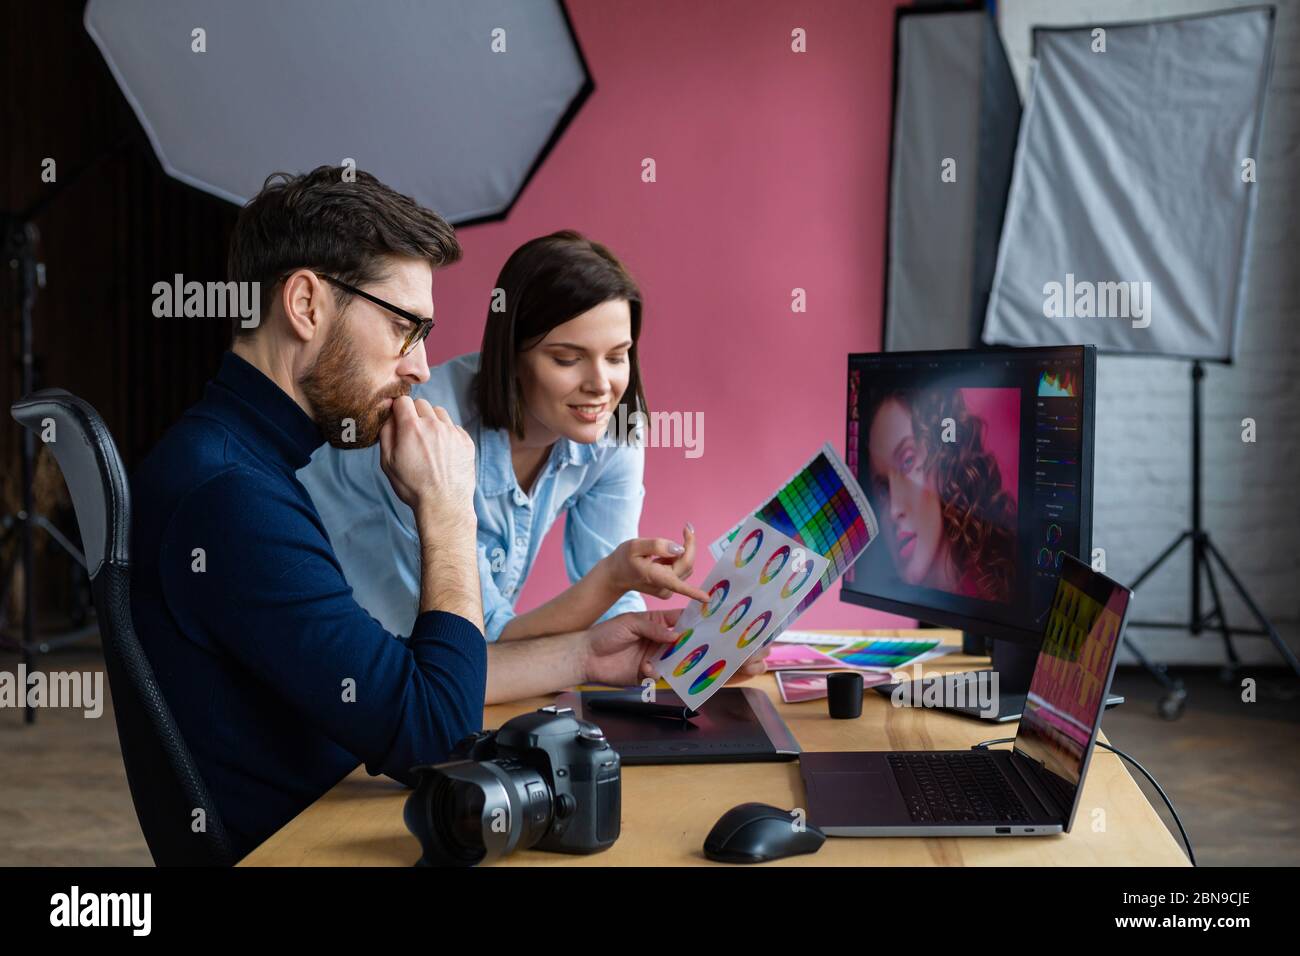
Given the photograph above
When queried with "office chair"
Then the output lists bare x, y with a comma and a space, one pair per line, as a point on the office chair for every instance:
164, 780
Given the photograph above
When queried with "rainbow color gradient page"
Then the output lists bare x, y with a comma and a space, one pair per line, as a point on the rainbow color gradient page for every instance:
751, 593
823, 508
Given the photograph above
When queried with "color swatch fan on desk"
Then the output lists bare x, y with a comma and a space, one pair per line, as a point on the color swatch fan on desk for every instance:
751, 593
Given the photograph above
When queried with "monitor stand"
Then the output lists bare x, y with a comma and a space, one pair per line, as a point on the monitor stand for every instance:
1014, 664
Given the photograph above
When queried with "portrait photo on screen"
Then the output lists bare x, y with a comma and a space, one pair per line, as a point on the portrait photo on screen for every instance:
942, 473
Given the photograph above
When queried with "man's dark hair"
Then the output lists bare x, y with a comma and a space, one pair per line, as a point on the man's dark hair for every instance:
545, 283
341, 228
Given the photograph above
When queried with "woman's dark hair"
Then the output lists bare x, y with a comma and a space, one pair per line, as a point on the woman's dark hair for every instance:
545, 283
979, 515
343, 227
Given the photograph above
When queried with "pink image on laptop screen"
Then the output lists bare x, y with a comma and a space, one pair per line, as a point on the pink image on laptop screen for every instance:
1074, 666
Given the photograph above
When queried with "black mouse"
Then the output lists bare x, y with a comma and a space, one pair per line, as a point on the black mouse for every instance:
756, 833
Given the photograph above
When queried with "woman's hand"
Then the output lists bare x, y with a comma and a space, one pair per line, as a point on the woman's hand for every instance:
654, 566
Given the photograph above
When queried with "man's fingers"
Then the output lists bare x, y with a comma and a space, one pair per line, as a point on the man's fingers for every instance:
424, 409
748, 670
404, 410
652, 627
648, 658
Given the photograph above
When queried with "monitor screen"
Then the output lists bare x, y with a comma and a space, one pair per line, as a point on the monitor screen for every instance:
1075, 663
978, 465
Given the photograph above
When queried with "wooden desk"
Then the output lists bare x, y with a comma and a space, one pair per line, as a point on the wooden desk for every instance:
668, 810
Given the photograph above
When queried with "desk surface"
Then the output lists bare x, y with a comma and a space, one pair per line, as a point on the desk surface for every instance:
668, 810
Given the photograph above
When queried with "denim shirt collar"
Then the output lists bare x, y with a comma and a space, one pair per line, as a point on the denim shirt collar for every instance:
497, 471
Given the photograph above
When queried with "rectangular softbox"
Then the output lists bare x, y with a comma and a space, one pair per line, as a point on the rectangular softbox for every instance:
1132, 194
956, 112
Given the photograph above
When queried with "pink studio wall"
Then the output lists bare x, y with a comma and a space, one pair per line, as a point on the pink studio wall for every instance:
771, 175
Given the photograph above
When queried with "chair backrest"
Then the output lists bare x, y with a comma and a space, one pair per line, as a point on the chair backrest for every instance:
164, 780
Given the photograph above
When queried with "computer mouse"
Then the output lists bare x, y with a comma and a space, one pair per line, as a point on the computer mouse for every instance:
756, 833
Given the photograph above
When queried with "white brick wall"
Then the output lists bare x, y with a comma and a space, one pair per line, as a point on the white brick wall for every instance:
1143, 466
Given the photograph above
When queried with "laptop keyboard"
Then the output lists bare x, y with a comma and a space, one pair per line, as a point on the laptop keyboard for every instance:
963, 787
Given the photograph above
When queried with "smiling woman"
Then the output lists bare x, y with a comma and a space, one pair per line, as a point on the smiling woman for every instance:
558, 365
548, 284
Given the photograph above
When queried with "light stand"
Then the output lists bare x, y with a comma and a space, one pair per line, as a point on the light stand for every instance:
27, 276
20, 240
1204, 554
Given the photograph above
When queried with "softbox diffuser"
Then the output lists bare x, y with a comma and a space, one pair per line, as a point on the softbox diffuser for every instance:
1128, 192
955, 103
453, 103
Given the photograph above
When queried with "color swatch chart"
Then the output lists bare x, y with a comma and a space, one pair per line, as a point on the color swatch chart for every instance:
824, 509
752, 590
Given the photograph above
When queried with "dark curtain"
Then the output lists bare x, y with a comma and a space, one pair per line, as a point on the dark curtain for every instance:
106, 238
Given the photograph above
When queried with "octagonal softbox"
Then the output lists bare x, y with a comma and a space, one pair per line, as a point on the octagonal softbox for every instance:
453, 103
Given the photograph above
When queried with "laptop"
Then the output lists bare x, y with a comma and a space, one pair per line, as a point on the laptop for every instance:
1030, 790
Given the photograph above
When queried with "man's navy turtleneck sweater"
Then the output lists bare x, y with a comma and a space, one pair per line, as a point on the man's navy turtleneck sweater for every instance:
280, 682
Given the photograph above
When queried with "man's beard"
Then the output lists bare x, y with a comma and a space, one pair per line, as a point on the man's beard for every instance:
347, 414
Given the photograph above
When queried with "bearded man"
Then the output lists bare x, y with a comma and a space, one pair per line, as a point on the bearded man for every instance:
279, 681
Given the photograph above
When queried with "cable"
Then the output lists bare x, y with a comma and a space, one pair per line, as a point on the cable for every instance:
1191, 856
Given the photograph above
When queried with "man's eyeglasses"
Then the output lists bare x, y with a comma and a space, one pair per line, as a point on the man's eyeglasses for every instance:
420, 326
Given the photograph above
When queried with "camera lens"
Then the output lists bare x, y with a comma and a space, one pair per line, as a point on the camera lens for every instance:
466, 812
456, 812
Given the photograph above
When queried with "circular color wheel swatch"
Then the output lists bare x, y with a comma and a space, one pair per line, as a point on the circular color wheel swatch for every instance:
797, 580
771, 569
717, 594
674, 648
707, 677
691, 659
734, 616
754, 630
745, 553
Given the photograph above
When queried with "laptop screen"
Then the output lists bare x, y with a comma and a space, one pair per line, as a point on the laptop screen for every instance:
1067, 693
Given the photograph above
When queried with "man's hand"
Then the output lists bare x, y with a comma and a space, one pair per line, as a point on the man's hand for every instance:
623, 651
753, 667
429, 460
654, 566
615, 649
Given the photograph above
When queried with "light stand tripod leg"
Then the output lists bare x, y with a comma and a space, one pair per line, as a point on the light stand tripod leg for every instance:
1234, 661
1264, 622
60, 538
1161, 559
1158, 671
1172, 703
29, 585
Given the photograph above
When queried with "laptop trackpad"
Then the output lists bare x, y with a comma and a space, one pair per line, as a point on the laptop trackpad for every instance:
854, 798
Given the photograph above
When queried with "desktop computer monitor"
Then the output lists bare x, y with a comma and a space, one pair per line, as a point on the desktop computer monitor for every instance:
978, 464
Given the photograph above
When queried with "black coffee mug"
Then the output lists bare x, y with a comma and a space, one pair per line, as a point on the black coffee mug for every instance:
844, 694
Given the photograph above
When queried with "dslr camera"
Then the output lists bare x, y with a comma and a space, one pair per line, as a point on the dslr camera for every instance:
546, 780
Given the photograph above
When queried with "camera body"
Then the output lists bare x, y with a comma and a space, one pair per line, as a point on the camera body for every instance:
546, 780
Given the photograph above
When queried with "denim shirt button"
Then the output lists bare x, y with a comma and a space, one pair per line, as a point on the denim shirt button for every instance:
521, 499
